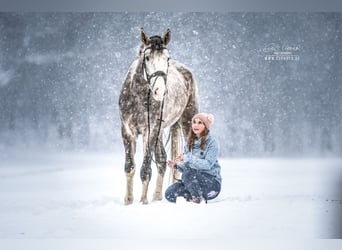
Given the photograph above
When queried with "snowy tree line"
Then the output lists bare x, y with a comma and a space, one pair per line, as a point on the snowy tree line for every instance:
61, 74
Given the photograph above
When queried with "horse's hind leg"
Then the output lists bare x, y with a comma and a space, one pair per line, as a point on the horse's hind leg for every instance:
130, 148
161, 166
175, 148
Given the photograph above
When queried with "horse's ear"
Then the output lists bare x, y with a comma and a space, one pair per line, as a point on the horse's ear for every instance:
167, 37
144, 38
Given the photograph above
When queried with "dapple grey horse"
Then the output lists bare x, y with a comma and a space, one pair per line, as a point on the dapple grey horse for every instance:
157, 93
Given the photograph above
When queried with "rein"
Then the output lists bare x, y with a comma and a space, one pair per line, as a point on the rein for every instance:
149, 121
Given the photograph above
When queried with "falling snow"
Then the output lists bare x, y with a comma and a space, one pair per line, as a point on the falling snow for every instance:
61, 73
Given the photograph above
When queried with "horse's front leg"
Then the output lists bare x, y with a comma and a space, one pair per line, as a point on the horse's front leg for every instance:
130, 148
145, 175
146, 171
161, 166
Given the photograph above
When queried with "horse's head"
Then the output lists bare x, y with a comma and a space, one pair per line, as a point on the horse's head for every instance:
155, 62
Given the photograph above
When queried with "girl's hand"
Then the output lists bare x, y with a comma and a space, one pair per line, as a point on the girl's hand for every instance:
180, 158
171, 164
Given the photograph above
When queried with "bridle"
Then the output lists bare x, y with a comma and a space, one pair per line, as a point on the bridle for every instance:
156, 74
149, 77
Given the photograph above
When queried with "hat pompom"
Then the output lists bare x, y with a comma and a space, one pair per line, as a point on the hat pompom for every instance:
211, 118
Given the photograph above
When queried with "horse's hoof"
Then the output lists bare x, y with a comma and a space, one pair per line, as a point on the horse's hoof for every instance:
144, 201
157, 197
128, 200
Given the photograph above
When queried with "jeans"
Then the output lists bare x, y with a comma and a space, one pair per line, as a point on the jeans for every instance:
195, 184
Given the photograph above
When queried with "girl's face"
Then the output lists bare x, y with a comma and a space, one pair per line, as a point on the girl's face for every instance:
198, 127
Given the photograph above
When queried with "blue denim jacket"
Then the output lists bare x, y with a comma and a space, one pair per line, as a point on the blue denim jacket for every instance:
203, 160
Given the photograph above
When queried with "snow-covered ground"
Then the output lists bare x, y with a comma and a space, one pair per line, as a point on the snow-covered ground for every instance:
81, 196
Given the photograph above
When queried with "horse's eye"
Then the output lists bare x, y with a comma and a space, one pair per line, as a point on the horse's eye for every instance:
147, 58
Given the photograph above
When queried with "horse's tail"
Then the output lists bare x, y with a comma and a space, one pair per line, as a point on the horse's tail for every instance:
176, 149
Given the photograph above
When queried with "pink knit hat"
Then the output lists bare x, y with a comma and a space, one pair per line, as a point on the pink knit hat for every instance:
206, 118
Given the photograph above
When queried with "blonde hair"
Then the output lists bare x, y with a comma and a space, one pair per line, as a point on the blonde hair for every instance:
192, 136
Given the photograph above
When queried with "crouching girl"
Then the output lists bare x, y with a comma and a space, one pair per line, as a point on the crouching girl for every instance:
201, 177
